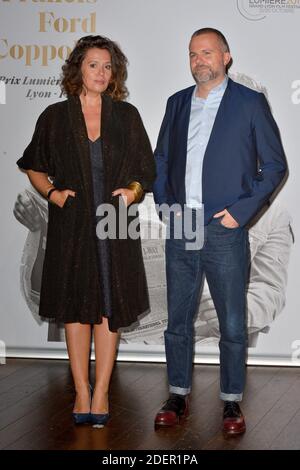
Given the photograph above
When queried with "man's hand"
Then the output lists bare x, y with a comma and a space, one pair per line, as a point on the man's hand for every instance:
227, 220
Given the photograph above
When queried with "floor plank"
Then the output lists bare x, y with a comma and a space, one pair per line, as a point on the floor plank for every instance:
36, 401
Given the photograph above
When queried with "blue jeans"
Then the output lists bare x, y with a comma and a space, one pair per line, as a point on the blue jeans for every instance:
224, 259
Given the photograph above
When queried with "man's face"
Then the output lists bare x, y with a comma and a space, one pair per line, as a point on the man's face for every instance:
207, 58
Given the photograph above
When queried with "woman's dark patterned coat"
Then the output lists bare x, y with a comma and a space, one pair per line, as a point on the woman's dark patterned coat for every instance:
71, 289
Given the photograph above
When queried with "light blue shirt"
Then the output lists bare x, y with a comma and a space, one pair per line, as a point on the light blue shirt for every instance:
202, 118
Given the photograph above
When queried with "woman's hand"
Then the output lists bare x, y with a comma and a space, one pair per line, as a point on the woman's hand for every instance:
127, 195
59, 197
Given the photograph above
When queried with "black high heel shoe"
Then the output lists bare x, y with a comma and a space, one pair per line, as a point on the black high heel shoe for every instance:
83, 418
99, 420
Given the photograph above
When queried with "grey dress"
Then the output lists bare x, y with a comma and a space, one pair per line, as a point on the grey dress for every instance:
104, 259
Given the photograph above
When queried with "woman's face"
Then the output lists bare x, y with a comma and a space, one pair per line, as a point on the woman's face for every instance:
96, 70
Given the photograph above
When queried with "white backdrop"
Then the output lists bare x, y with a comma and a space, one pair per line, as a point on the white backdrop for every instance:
34, 40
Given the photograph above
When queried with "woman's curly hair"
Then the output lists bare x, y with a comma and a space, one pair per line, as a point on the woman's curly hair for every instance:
71, 83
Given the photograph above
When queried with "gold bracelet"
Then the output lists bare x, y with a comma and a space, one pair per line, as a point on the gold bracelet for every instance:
136, 187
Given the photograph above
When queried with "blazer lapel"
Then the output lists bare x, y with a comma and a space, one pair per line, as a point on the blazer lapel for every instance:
182, 125
180, 133
222, 126
221, 120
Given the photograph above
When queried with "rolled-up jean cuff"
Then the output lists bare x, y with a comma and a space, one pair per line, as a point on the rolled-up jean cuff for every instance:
231, 396
179, 390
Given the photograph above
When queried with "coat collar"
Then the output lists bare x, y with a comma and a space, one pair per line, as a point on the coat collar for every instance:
80, 137
109, 136
78, 123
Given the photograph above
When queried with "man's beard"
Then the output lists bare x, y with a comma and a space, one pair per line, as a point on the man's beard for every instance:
203, 74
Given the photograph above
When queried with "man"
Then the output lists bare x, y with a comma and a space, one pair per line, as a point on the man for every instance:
218, 149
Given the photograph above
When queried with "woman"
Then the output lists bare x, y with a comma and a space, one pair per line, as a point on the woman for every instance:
94, 149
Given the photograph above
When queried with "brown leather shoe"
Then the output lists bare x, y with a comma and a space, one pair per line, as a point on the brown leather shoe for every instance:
174, 409
233, 419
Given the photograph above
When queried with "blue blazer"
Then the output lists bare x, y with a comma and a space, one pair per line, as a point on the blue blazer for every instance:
244, 160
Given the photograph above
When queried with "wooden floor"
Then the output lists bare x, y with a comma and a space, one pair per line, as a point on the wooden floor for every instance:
36, 399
